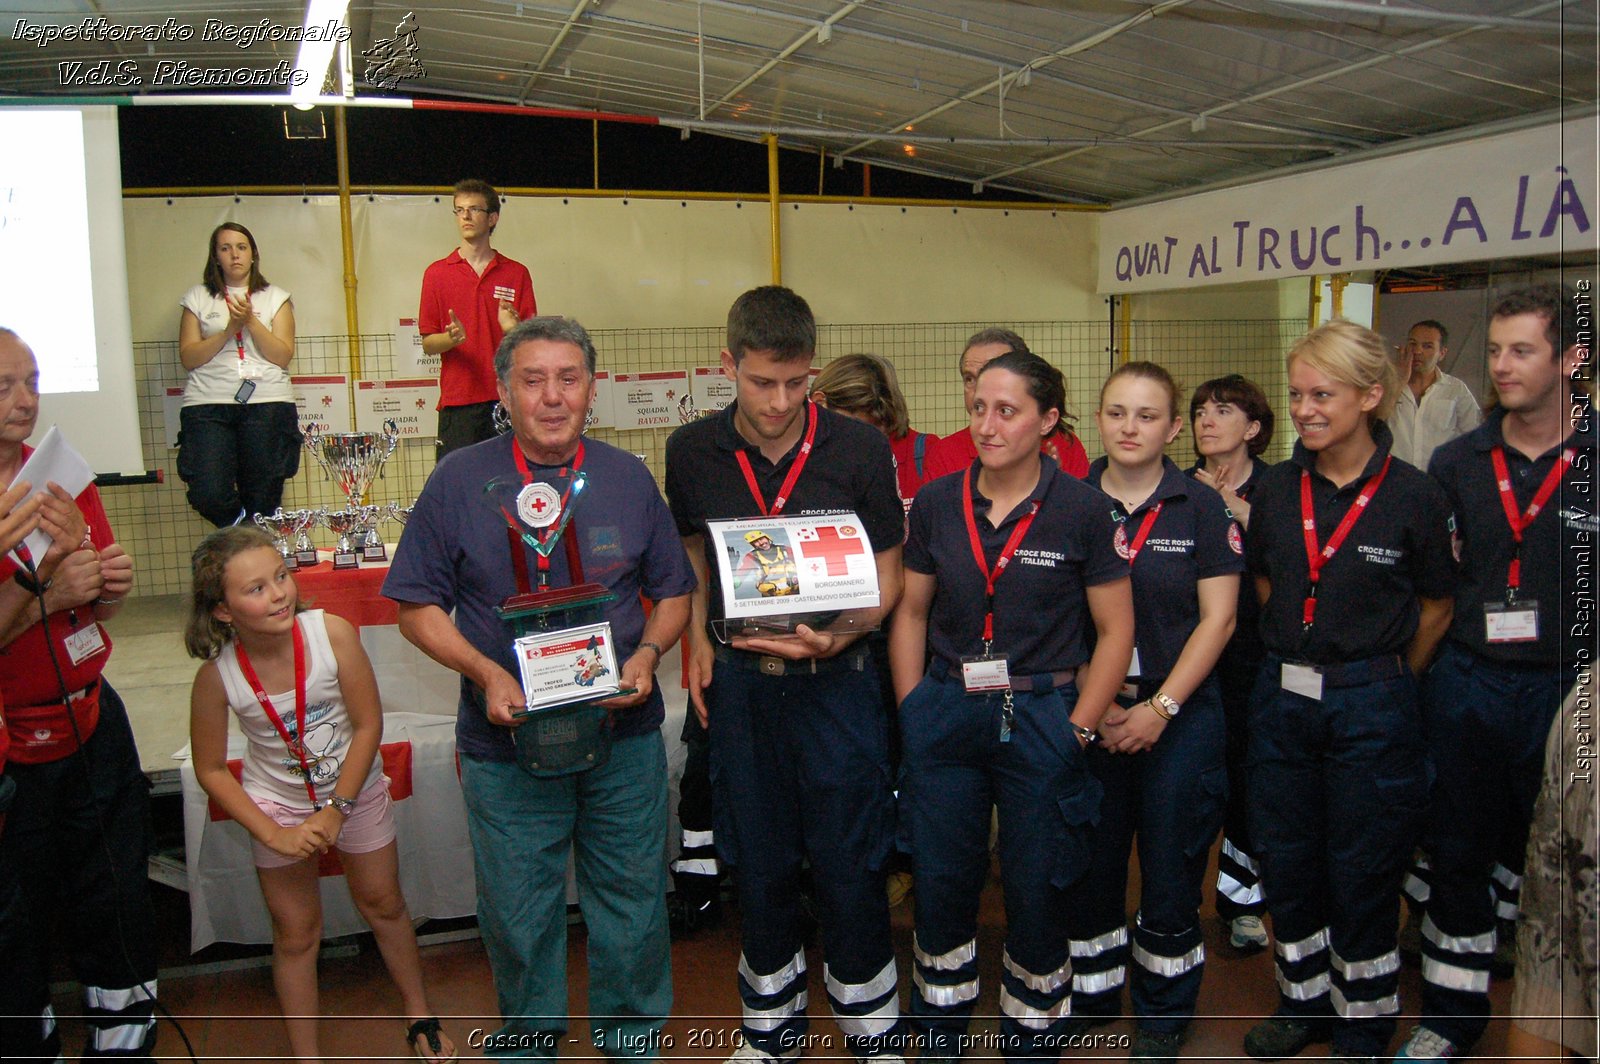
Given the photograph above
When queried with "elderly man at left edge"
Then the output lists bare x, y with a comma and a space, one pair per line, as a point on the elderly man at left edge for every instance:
460, 553
76, 836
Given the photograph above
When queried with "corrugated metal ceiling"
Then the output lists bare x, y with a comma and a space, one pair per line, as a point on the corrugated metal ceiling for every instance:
1099, 102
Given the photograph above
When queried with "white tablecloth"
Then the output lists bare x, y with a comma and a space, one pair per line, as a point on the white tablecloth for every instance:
225, 901
436, 872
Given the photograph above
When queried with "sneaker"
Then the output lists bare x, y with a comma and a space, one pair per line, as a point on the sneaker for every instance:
1427, 1045
1248, 934
1157, 1047
1277, 1037
749, 1054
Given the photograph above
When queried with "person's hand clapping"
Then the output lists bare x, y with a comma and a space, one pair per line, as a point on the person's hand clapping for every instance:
62, 521
116, 570
18, 519
456, 331
238, 312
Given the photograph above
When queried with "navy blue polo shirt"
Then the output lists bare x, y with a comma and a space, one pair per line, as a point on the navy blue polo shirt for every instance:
850, 469
1397, 552
454, 554
1245, 644
1041, 615
1559, 541
1193, 538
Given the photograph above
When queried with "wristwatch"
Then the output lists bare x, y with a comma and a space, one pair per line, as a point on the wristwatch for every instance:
29, 584
346, 806
1088, 735
1167, 703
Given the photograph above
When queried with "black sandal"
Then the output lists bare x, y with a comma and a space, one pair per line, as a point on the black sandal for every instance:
428, 1028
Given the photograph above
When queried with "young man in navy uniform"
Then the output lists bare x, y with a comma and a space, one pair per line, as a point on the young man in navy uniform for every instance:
799, 751
1520, 485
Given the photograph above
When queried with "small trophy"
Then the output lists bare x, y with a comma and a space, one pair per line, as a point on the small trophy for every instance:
280, 525
372, 543
564, 647
399, 514
304, 521
353, 460
344, 524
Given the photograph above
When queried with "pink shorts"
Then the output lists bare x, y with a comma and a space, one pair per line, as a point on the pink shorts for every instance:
370, 827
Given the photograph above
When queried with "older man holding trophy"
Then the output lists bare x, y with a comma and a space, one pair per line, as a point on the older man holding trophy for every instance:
542, 541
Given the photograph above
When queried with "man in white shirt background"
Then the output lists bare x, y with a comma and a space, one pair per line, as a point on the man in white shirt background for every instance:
1437, 407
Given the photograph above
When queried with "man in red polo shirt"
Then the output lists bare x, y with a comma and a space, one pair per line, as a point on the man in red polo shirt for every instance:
955, 452
76, 835
469, 299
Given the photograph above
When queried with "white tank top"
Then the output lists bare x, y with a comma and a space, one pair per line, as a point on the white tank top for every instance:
270, 770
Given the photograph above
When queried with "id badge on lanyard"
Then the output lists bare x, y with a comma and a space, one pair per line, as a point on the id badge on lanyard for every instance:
1301, 679
85, 643
1511, 622
987, 672
1130, 686
982, 673
1516, 620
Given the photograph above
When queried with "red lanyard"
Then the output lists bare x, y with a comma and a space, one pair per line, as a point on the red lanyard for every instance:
238, 341
1144, 531
519, 558
794, 470
296, 742
1520, 522
1316, 559
990, 576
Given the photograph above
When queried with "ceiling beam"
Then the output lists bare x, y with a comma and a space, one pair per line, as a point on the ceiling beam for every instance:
1424, 14
1299, 83
549, 53
1000, 83
793, 47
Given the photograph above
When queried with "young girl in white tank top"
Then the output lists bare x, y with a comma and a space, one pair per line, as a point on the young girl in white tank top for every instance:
307, 702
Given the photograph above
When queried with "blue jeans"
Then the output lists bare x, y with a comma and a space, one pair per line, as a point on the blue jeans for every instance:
614, 818
236, 456
1171, 797
1487, 724
955, 769
800, 772
1341, 788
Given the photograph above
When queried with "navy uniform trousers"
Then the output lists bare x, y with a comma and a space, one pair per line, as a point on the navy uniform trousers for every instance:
1340, 786
955, 769
1172, 798
1486, 725
1238, 872
800, 772
69, 817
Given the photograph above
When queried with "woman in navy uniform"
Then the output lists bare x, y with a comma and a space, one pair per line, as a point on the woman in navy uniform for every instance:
1350, 550
1232, 426
1161, 756
1010, 574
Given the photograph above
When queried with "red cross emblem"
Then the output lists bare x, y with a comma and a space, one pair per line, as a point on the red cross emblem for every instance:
833, 548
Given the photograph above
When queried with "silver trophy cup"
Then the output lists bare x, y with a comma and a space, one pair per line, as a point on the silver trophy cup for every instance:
344, 524
280, 525
352, 460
